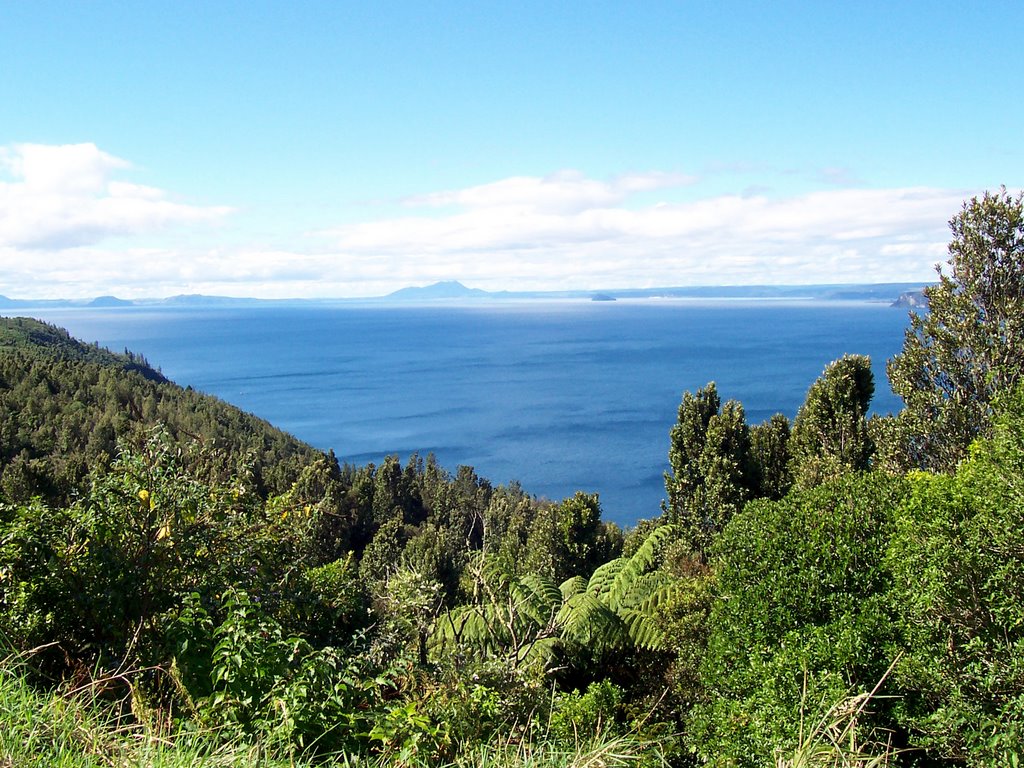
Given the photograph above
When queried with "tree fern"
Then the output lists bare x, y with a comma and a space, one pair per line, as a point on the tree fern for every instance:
526, 618
615, 581
585, 619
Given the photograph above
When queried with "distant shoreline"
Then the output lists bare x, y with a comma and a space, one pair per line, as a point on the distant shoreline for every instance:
450, 291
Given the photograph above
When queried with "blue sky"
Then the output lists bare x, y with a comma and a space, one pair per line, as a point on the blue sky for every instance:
348, 149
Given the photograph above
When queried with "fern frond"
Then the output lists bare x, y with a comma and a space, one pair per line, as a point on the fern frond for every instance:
661, 591
604, 576
587, 620
536, 597
542, 649
644, 631
573, 586
656, 539
642, 561
645, 585
467, 625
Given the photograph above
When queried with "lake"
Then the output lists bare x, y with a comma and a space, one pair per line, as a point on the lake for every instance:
559, 395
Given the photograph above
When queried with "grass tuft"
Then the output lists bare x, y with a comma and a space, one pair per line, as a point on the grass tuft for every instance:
835, 740
76, 731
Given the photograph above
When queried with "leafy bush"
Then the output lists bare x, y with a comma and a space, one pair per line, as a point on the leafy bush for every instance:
592, 712
802, 616
246, 678
958, 561
95, 576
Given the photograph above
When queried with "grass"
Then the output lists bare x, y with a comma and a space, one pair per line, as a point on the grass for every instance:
835, 741
600, 752
40, 729
80, 731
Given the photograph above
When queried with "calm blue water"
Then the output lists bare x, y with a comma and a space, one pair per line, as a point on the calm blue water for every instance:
558, 395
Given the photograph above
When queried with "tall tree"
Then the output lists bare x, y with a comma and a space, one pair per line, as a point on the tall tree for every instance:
569, 539
830, 432
770, 457
711, 475
969, 346
686, 441
957, 558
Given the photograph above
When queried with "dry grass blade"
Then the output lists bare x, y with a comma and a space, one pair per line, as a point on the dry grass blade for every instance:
835, 741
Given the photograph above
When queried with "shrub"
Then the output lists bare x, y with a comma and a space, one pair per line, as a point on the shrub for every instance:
958, 562
802, 616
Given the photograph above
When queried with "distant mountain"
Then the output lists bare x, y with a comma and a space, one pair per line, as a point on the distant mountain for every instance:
110, 301
449, 289
453, 290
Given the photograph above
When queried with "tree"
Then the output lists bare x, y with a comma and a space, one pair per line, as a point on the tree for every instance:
770, 457
830, 432
686, 441
969, 346
569, 539
711, 475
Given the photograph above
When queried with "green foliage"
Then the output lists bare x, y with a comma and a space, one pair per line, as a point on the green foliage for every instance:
576, 715
100, 576
23, 334
834, 740
79, 729
96, 575
802, 616
513, 618
481, 702
384, 551
406, 605
65, 405
663, 684
711, 476
633, 590
969, 346
830, 433
247, 678
433, 551
398, 614
958, 561
508, 519
405, 733
527, 619
76, 731
569, 539
319, 492
770, 455
338, 602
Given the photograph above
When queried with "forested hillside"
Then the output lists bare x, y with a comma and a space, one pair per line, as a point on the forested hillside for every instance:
65, 404
192, 585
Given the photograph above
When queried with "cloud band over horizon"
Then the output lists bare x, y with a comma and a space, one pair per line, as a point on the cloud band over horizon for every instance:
71, 228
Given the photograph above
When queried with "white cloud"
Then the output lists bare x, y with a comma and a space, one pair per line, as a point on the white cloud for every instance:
56, 198
938, 251
63, 169
69, 228
561, 193
576, 232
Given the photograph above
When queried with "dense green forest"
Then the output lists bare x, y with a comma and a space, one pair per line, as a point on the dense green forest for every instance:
182, 584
